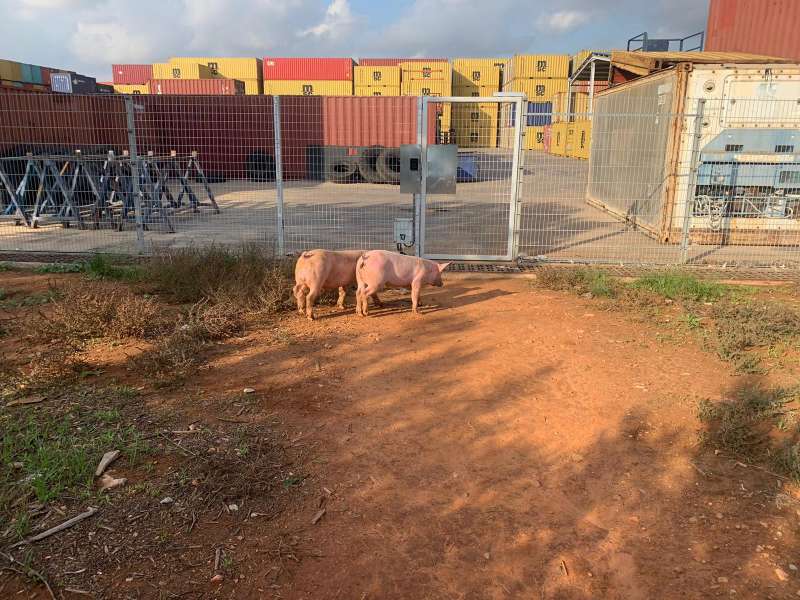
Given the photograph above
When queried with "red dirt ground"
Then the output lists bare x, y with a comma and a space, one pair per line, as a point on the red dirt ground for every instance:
508, 443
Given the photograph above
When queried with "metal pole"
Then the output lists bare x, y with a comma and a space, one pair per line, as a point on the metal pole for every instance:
423, 193
130, 117
514, 220
688, 205
276, 128
417, 197
591, 86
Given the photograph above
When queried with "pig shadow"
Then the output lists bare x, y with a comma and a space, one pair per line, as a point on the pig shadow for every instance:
398, 301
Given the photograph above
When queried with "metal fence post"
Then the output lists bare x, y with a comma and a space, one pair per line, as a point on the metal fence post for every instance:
517, 168
688, 208
276, 128
130, 118
423, 194
418, 233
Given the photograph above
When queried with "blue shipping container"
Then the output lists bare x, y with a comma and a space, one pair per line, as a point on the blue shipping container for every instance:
540, 114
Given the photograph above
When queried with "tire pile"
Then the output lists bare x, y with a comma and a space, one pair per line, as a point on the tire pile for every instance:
374, 164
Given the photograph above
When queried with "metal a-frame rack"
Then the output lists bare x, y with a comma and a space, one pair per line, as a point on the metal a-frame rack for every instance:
46, 193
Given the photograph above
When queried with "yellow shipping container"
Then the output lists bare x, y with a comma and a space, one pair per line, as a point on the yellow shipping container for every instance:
476, 71
377, 90
425, 71
558, 138
578, 58
10, 70
292, 87
475, 90
534, 138
430, 87
143, 88
538, 90
475, 125
560, 107
579, 108
182, 70
378, 75
225, 66
253, 87
539, 65
579, 142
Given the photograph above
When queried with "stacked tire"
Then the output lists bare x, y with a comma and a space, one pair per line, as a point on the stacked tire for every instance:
374, 164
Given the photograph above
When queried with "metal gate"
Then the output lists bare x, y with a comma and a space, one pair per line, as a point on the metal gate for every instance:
481, 220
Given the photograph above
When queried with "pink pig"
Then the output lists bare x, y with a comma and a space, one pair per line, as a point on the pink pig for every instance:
378, 268
318, 270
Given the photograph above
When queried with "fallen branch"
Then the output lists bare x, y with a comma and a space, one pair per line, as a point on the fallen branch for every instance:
227, 420
53, 530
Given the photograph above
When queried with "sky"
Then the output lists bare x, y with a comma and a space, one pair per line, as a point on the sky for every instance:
87, 36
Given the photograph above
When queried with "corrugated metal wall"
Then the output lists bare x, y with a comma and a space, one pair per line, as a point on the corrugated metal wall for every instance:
768, 27
630, 139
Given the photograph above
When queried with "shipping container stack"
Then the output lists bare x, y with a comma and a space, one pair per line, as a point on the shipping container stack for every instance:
377, 80
476, 125
430, 77
23, 76
131, 79
540, 77
308, 76
246, 70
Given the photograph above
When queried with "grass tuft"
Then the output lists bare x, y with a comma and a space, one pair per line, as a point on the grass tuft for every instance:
682, 286
579, 281
758, 424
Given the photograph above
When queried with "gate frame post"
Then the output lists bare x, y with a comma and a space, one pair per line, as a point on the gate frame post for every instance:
419, 200
130, 119
517, 164
688, 207
276, 134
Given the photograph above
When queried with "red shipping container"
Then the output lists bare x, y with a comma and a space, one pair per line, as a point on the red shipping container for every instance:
548, 132
768, 27
213, 87
132, 74
393, 62
46, 76
319, 69
372, 120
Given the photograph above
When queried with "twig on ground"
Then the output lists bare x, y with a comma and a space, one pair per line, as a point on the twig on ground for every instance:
57, 528
28, 572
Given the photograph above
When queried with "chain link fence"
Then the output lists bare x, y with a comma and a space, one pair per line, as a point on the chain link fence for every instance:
632, 183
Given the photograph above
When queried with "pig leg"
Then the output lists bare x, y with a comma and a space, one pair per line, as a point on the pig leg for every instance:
299, 291
342, 295
416, 286
310, 299
366, 292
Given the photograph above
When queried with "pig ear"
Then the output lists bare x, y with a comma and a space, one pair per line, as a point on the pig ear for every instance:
443, 266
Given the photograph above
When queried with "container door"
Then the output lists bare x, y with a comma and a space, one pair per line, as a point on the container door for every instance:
480, 220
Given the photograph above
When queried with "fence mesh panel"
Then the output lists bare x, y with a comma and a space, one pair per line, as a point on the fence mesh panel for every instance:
630, 182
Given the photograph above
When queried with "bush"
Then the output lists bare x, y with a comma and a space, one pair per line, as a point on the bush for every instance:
245, 278
88, 310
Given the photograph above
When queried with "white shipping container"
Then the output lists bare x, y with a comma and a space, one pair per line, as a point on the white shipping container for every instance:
653, 157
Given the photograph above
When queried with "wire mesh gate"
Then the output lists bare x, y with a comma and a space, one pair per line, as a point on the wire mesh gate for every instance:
481, 220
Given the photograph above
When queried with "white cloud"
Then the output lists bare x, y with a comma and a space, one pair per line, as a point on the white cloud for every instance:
563, 20
111, 42
88, 35
337, 23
